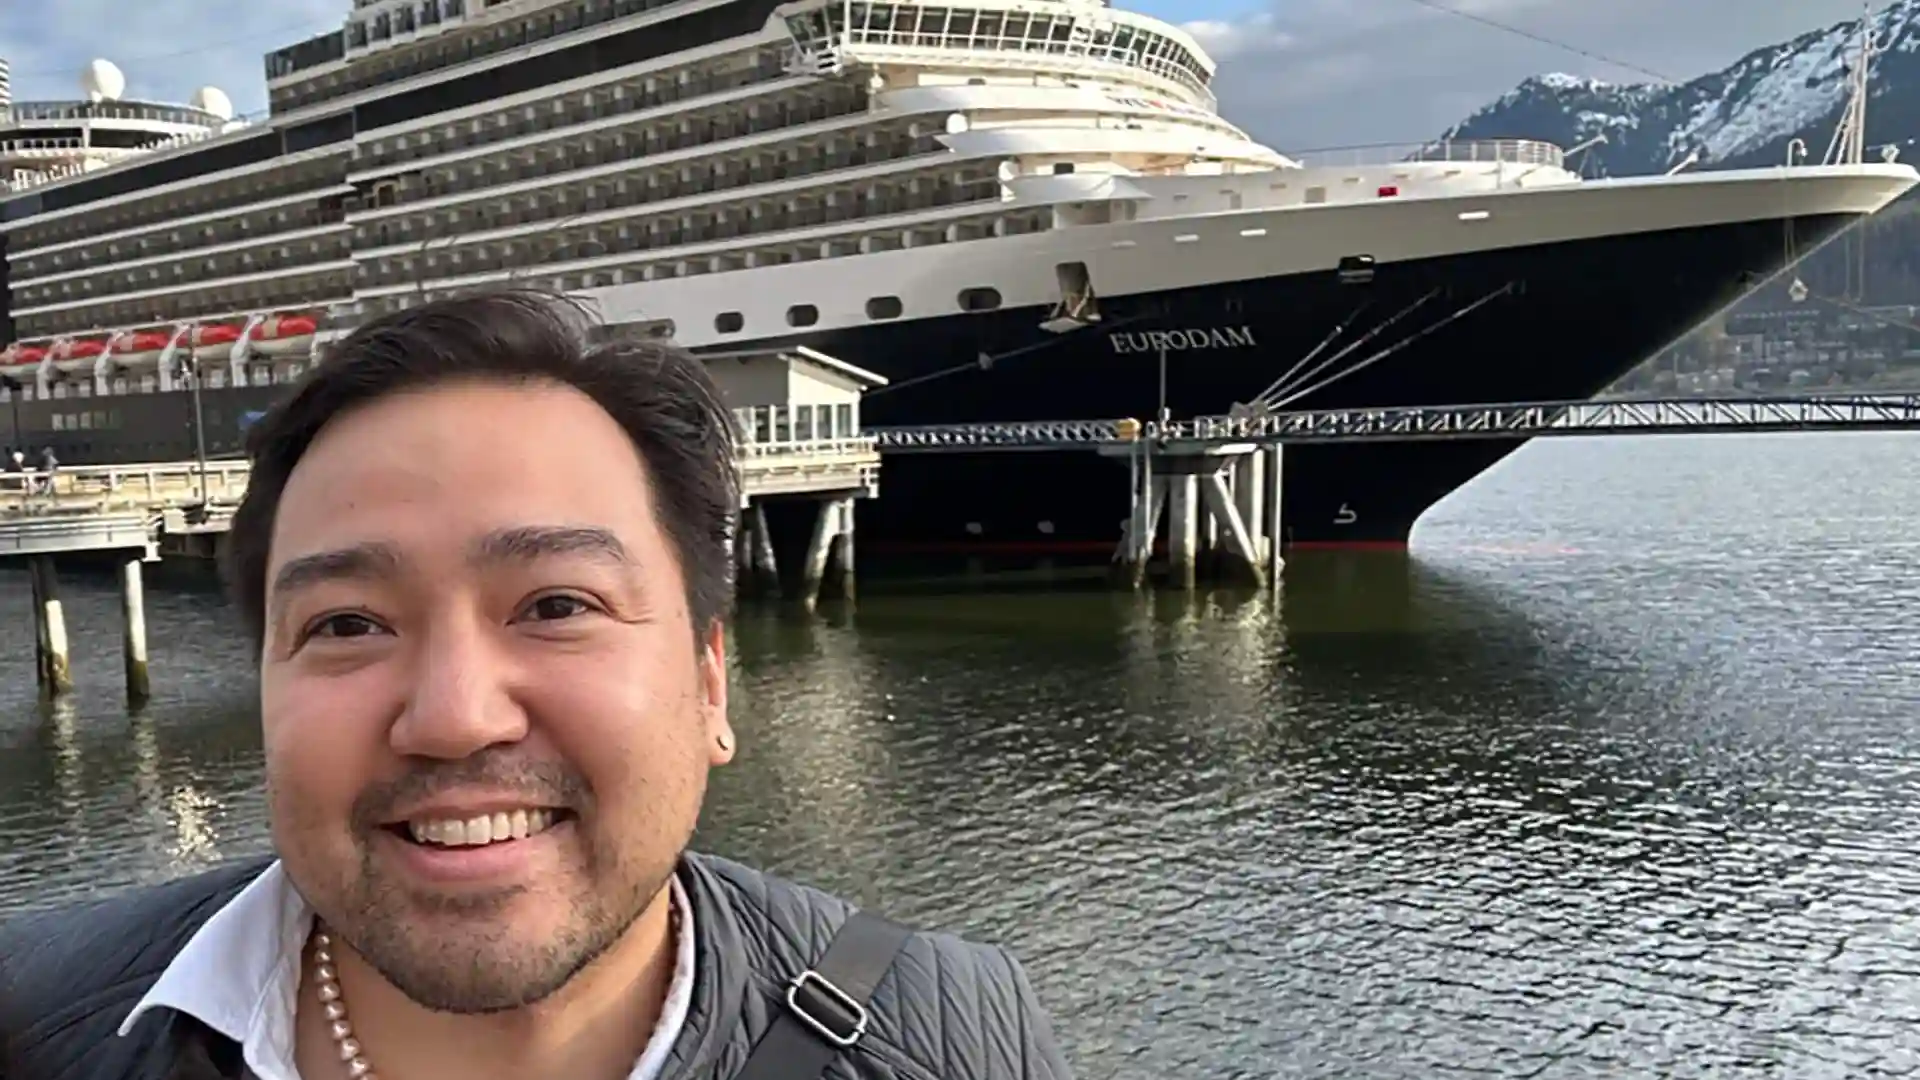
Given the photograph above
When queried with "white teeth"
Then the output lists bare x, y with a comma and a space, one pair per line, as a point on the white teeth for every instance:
486, 829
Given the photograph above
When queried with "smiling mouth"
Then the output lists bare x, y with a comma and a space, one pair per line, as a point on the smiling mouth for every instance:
480, 830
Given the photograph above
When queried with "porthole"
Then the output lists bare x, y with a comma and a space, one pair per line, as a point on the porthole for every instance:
802, 315
729, 322
980, 299
885, 307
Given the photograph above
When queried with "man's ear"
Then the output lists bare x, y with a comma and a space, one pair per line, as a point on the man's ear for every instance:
713, 707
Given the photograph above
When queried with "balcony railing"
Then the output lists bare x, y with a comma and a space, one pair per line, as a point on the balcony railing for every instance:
1525, 152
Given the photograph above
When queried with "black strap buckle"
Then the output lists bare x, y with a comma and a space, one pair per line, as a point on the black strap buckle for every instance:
827, 1005
843, 1030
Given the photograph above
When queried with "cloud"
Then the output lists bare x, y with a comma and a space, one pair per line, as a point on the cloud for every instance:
1321, 73
1258, 34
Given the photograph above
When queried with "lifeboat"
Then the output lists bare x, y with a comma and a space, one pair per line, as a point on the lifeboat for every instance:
77, 357
283, 335
214, 341
139, 349
21, 361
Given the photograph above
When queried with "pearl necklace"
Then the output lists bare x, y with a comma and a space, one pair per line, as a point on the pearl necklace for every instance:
326, 982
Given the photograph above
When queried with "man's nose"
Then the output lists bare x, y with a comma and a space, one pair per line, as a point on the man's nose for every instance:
459, 702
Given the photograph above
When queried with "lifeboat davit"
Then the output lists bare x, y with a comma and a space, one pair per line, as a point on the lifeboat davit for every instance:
139, 349
214, 341
283, 335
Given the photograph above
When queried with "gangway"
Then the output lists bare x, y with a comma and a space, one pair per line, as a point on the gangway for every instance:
1673, 416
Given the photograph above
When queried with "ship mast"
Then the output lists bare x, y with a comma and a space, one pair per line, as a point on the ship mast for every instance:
1849, 143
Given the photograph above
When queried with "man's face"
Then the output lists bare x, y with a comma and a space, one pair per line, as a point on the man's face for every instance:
487, 724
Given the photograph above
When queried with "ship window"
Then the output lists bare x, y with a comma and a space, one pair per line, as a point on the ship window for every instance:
802, 315
884, 307
980, 299
729, 322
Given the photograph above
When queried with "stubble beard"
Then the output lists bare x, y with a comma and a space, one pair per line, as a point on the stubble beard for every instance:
462, 954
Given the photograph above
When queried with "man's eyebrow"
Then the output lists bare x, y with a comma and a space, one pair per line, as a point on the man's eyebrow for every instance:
361, 562
376, 560
527, 542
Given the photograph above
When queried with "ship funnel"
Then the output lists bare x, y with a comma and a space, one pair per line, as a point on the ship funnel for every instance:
6, 86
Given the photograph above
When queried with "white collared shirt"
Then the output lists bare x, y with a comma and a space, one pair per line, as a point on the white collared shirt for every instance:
240, 975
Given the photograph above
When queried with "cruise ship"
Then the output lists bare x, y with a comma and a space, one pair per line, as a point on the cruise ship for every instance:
1011, 209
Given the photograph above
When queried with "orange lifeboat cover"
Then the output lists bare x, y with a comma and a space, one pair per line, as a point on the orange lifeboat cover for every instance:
146, 341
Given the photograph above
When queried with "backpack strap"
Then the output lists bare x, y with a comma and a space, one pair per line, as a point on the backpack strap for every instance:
826, 1011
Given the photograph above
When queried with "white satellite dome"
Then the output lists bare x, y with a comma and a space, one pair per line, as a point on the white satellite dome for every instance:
213, 100
103, 81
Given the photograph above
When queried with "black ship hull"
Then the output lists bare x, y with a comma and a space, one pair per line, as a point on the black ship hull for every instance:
1552, 322
1548, 323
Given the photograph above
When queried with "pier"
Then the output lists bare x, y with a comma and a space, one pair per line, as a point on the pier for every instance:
1208, 489
802, 456
1211, 486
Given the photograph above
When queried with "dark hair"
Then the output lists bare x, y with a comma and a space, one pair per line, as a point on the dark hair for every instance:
658, 392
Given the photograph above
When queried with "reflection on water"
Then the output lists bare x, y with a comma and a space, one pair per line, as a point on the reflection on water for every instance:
1616, 778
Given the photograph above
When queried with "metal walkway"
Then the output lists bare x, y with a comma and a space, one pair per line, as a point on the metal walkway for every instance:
131, 507
1679, 416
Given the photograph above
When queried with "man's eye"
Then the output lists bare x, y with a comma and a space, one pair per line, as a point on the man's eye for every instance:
557, 606
344, 625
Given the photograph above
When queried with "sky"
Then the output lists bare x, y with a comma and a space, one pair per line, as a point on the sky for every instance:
1298, 74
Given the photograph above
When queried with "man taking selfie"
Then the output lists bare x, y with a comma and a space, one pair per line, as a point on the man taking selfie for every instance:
485, 558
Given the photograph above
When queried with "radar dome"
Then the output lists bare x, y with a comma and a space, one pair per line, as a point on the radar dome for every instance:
103, 81
212, 99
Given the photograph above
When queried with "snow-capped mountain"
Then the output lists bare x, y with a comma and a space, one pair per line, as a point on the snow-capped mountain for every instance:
1745, 115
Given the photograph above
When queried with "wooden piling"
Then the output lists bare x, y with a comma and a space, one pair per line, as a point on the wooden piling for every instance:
133, 626
53, 662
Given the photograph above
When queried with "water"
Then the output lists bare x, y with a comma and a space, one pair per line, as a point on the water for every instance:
1618, 777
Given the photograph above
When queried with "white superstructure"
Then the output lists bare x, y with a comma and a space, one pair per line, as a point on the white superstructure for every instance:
43, 141
756, 171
